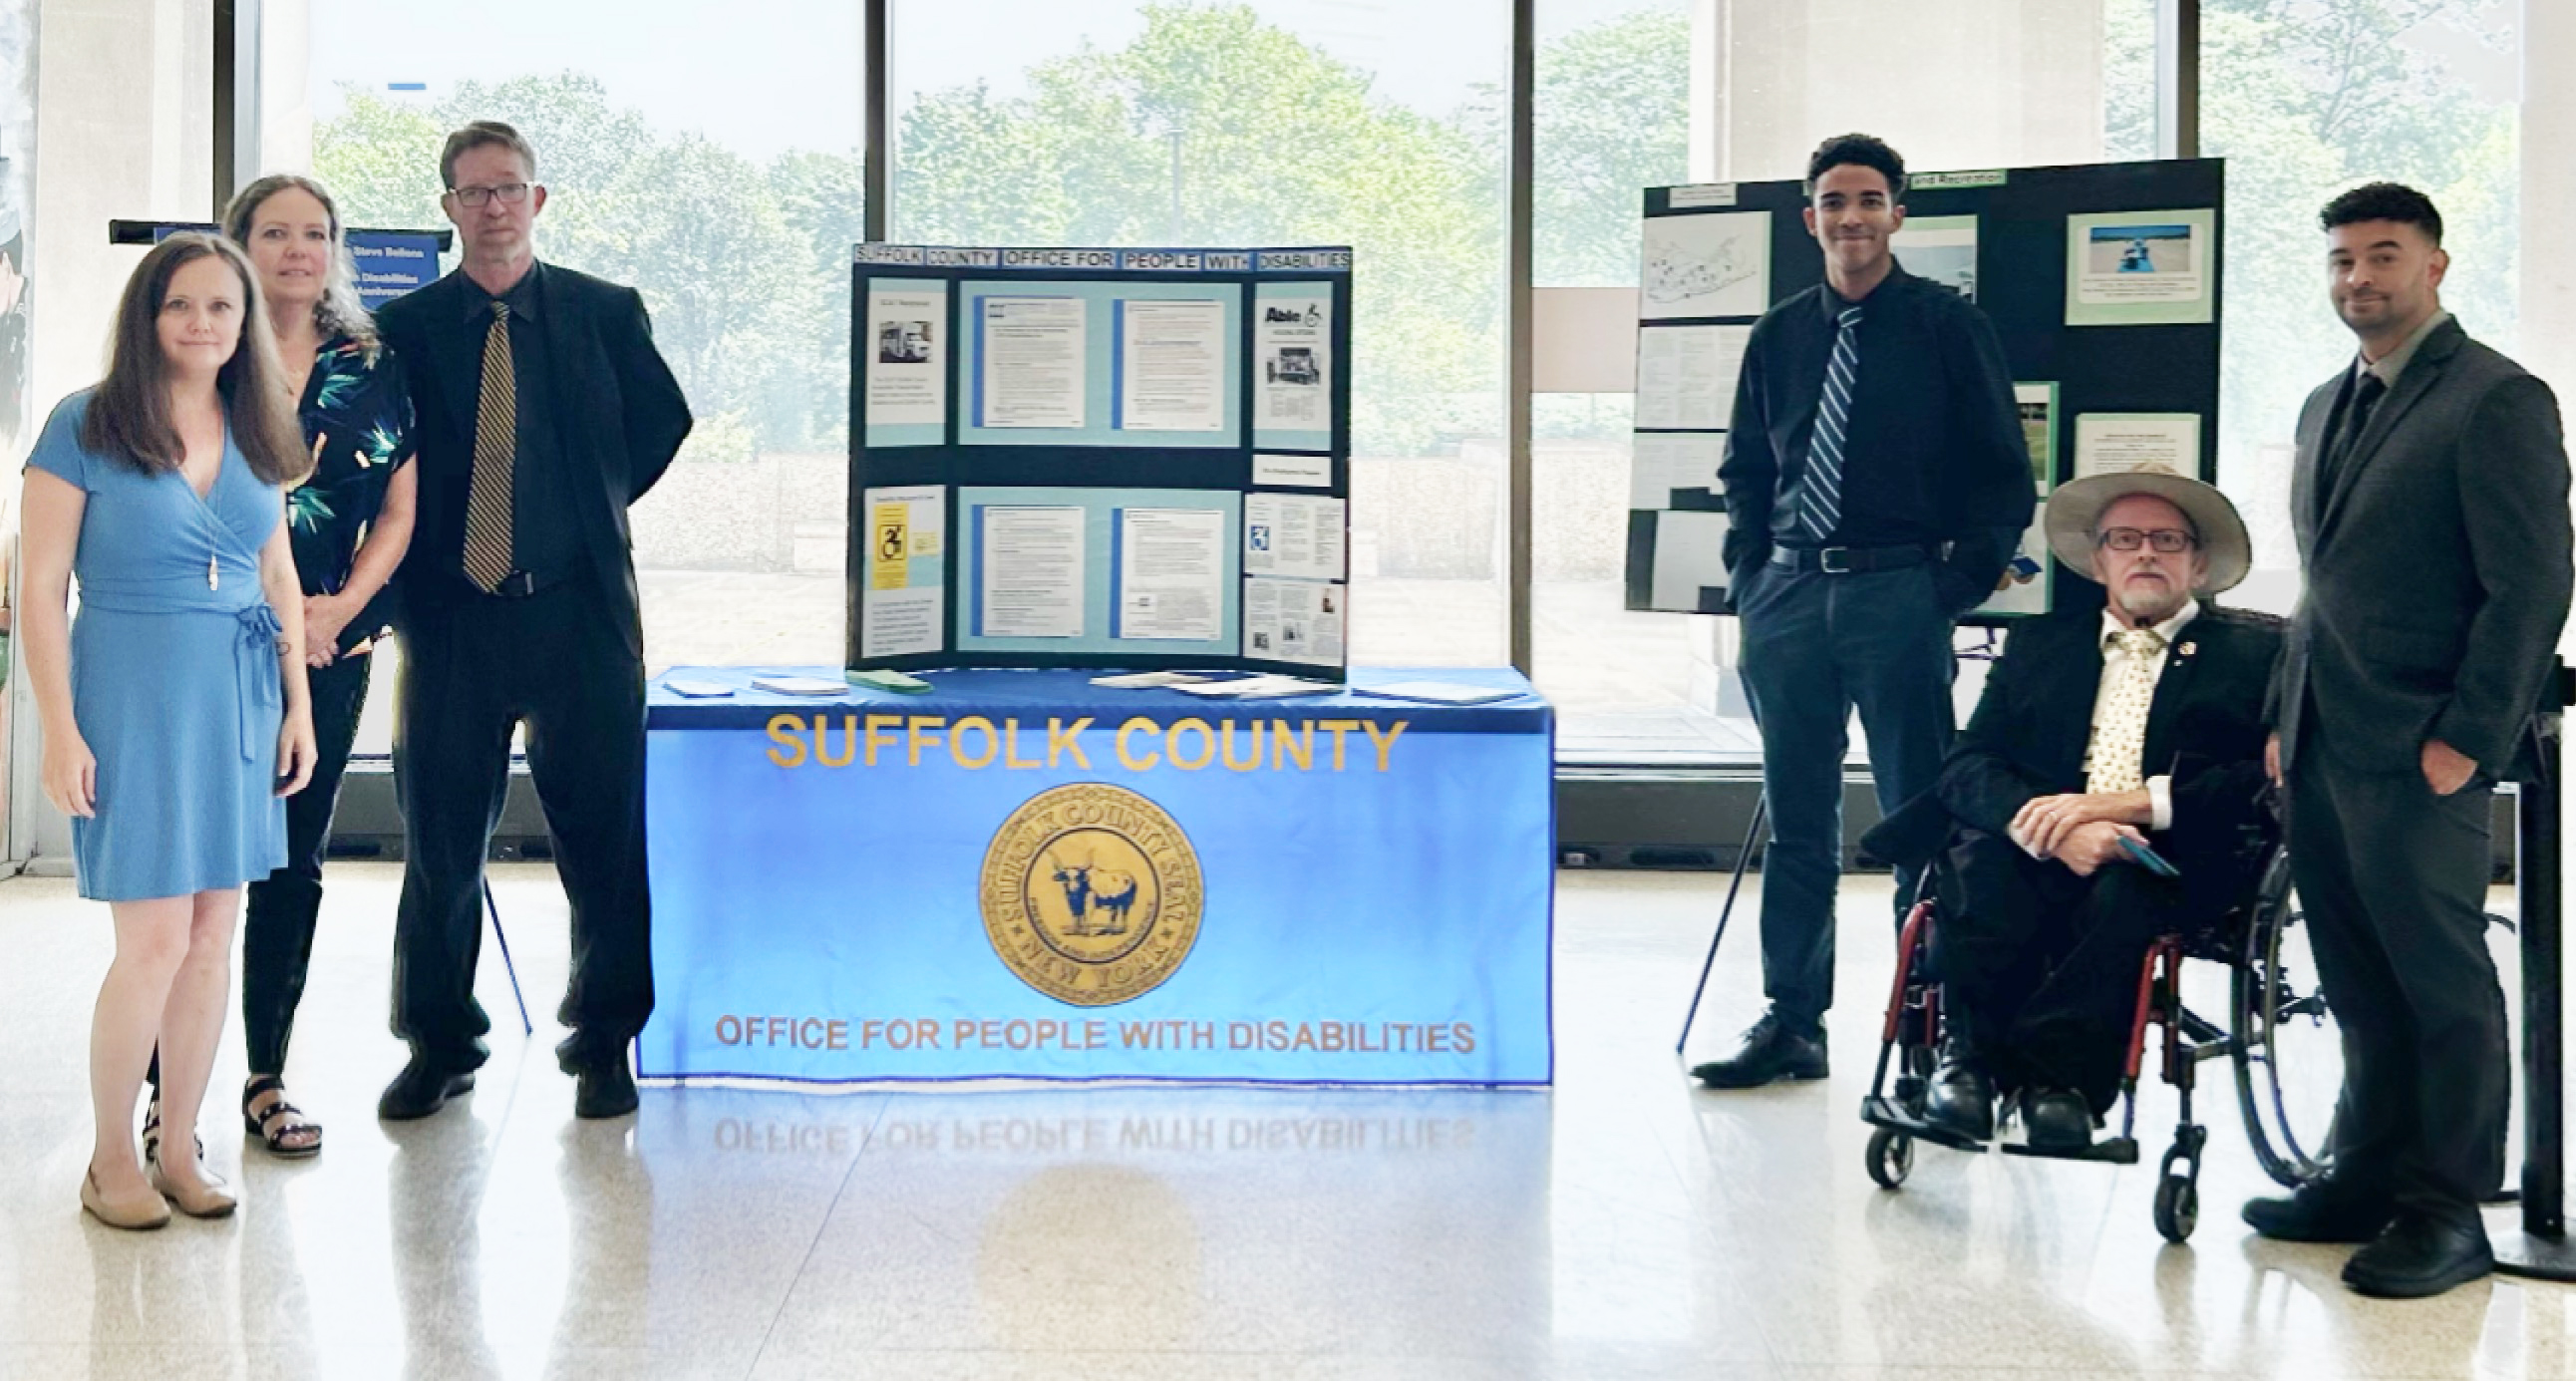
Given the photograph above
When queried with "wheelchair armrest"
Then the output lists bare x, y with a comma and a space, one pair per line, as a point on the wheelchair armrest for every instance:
1914, 835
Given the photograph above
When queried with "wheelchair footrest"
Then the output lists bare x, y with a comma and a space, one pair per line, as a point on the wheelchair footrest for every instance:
2118, 1150
1884, 1112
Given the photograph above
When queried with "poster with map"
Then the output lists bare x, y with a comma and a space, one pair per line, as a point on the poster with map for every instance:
1716, 265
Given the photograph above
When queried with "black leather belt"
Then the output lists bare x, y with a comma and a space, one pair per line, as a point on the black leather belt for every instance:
521, 584
1848, 560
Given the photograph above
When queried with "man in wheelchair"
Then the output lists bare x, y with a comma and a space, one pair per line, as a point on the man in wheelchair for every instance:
2108, 743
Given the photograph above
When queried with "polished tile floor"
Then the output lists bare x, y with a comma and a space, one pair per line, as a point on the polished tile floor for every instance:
1623, 1225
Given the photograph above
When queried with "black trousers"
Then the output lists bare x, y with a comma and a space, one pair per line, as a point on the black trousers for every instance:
2039, 968
474, 668
2393, 881
278, 922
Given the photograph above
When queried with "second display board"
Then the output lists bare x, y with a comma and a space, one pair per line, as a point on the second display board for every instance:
2102, 281
1099, 457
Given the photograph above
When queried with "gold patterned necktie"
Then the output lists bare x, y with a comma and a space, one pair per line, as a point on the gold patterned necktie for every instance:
2116, 759
488, 559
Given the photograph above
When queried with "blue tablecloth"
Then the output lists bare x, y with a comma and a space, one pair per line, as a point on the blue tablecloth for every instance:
1021, 874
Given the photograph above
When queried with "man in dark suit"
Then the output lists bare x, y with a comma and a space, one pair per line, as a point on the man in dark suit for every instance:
2430, 502
2138, 723
544, 410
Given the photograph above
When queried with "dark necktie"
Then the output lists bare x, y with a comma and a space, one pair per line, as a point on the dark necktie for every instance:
2356, 419
488, 501
1820, 498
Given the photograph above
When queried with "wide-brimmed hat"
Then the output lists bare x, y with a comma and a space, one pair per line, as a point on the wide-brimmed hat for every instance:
2078, 505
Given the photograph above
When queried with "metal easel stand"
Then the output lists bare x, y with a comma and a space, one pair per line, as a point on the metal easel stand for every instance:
2540, 1249
526, 1027
1743, 860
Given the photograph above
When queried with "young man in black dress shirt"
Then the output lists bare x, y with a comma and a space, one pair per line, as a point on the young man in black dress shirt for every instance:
1876, 483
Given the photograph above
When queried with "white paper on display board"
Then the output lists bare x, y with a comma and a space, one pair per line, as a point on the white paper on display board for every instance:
1661, 462
2114, 442
1686, 376
2023, 587
1294, 620
908, 353
1712, 265
1292, 361
1171, 366
1304, 472
1689, 556
1030, 572
1171, 573
2141, 268
1293, 535
1941, 250
902, 611
1033, 357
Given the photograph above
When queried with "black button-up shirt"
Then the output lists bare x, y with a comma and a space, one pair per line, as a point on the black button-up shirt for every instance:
543, 539
1934, 452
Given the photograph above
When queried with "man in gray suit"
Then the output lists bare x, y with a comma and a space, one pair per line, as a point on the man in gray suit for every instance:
2430, 501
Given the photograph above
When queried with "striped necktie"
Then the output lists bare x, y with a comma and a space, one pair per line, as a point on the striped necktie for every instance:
488, 501
1820, 505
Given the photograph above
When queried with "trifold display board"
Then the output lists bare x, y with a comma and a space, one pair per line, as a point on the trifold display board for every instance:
1100, 457
2102, 280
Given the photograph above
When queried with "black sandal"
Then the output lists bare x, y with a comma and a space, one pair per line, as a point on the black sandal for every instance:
152, 1133
266, 1125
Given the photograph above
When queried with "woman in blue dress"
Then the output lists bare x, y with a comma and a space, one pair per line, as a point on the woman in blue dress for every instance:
348, 523
174, 711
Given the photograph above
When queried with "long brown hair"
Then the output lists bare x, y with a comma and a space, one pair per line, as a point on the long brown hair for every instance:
339, 311
129, 414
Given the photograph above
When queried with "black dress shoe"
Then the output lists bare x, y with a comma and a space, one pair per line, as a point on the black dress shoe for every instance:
2056, 1119
2421, 1255
421, 1089
1961, 1100
1772, 1051
604, 1091
2323, 1210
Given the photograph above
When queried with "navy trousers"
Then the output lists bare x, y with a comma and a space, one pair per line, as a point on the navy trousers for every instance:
1816, 647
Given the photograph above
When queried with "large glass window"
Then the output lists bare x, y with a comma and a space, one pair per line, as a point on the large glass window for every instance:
1380, 125
114, 145
1619, 108
2304, 100
721, 177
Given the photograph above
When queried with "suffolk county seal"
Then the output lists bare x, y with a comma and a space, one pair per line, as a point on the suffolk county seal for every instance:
1091, 894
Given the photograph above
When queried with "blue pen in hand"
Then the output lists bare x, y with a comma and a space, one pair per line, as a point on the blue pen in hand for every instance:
2149, 859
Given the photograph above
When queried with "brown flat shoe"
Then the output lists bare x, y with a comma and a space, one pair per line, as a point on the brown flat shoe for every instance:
134, 1218
205, 1201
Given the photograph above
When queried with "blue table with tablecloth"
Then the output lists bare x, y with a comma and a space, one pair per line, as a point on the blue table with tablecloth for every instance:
1023, 875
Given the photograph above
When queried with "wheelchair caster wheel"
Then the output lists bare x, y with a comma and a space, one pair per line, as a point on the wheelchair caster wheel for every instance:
2177, 1208
1891, 1157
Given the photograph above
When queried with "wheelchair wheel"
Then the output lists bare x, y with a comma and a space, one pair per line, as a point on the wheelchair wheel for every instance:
1891, 1157
2177, 1208
2288, 1054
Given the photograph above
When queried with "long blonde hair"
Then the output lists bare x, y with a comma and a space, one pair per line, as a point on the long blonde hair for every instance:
129, 414
339, 311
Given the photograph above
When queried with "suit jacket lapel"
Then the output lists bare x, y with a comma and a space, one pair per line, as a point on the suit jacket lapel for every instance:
456, 352
2182, 662
2062, 730
2316, 427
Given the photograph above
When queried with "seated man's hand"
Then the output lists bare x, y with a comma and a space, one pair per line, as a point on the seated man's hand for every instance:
2045, 821
2088, 847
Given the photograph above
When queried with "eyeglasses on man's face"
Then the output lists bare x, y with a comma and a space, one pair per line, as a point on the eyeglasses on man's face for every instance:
2168, 540
474, 198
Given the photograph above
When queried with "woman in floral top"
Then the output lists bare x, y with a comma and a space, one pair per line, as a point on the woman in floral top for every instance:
348, 524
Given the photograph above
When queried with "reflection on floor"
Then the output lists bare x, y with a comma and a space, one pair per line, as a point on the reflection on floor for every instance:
1622, 1226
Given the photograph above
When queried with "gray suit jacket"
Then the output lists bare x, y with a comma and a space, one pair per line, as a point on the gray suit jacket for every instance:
2437, 564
